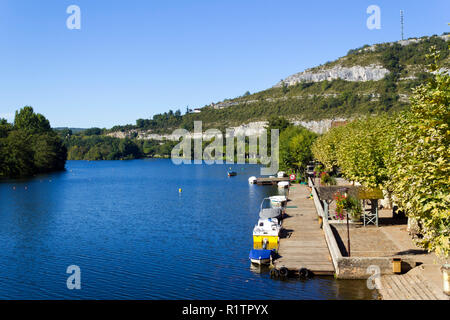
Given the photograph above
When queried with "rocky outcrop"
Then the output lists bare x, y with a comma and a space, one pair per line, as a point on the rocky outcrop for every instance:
248, 129
355, 73
320, 126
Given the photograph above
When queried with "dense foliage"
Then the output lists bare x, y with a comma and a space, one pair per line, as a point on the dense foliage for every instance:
90, 146
29, 146
325, 147
419, 166
407, 155
295, 148
358, 149
160, 123
312, 101
408, 56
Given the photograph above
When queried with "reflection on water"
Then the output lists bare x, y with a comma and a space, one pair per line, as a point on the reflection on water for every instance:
135, 236
259, 269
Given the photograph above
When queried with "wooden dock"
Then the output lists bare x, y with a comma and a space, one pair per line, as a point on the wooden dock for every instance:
269, 181
407, 287
302, 244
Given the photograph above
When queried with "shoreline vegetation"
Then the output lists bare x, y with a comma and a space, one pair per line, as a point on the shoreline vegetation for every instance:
91, 144
29, 146
405, 155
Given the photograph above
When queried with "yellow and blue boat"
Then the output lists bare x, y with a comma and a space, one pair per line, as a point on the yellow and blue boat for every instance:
266, 234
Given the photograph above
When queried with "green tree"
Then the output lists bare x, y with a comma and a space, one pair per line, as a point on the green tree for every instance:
419, 165
295, 147
325, 147
129, 149
18, 155
29, 146
361, 152
26, 119
49, 153
5, 128
276, 122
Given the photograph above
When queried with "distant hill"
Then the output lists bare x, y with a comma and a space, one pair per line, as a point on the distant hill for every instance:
368, 80
74, 130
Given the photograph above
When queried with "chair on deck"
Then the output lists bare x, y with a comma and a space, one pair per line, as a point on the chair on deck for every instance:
370, 215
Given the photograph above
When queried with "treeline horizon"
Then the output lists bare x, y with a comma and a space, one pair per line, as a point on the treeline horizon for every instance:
93, 144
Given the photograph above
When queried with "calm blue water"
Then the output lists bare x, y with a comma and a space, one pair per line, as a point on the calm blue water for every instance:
134, 236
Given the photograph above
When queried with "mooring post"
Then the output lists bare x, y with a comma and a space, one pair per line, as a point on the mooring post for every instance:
348, 237
325, 209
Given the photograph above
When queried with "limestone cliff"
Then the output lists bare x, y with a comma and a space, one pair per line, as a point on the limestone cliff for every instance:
355, 73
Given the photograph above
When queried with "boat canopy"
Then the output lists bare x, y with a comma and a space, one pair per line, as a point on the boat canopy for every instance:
268, 213
260, 254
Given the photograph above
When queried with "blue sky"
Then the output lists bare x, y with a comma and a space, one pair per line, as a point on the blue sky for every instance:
132, 59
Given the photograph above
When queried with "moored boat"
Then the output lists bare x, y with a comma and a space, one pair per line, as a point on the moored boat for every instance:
278, 201
232, 173
260, 256
272, 207
266, 234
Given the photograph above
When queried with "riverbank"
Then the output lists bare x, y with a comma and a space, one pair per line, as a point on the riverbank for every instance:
377, 246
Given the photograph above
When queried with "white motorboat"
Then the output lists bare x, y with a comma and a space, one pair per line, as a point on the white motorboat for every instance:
252, 180
278, 201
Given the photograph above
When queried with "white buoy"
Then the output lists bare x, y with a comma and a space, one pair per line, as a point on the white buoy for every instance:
281, 174
283, 184
252, 180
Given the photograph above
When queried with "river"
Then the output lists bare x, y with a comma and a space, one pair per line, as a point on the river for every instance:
135, 236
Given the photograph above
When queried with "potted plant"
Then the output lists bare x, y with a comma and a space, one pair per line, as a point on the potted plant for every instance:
340, 205
353, 207
326, 179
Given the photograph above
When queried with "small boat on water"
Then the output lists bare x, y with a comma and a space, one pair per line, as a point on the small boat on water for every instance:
232, 173
266, 234
260, 256
252, 180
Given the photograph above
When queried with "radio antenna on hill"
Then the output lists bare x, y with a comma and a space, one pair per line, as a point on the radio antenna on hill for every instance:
401, 22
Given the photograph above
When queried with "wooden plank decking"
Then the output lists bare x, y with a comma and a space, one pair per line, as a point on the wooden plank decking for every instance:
405, 287
302, 243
